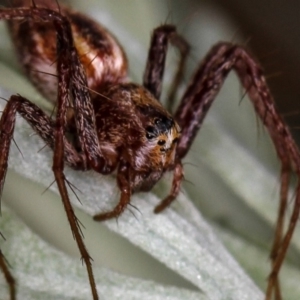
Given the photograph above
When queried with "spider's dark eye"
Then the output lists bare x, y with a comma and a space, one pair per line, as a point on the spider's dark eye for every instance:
161, 142
157, 121
175, 141
163, 123
150, 132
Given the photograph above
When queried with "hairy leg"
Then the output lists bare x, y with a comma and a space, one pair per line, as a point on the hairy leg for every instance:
124, 186
195, 104
67, 74
154, 71
8, 277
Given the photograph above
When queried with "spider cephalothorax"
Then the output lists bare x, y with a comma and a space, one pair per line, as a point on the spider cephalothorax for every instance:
137, 131
138, 127
117, 125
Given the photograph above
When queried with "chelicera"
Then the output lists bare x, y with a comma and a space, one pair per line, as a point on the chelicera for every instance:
122, 126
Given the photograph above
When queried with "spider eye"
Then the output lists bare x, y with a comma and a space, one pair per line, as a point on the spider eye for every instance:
150, 132
163, 123
175, 141
157, 121
161, 142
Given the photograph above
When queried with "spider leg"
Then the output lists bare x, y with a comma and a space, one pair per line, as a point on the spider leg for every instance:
154, 71
274, 281
8, 277
197, 100
177, 178
279, 255
67, 74
45, 128
124, 186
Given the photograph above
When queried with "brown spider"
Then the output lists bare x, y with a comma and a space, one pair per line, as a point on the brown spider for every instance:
122, 126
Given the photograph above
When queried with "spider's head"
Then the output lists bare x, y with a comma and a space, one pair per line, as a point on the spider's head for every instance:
161, 131
162, 135
138, 128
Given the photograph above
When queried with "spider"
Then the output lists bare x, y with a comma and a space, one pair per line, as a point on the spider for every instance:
105, 123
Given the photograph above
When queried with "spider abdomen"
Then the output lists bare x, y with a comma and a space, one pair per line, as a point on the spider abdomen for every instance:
101, 55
